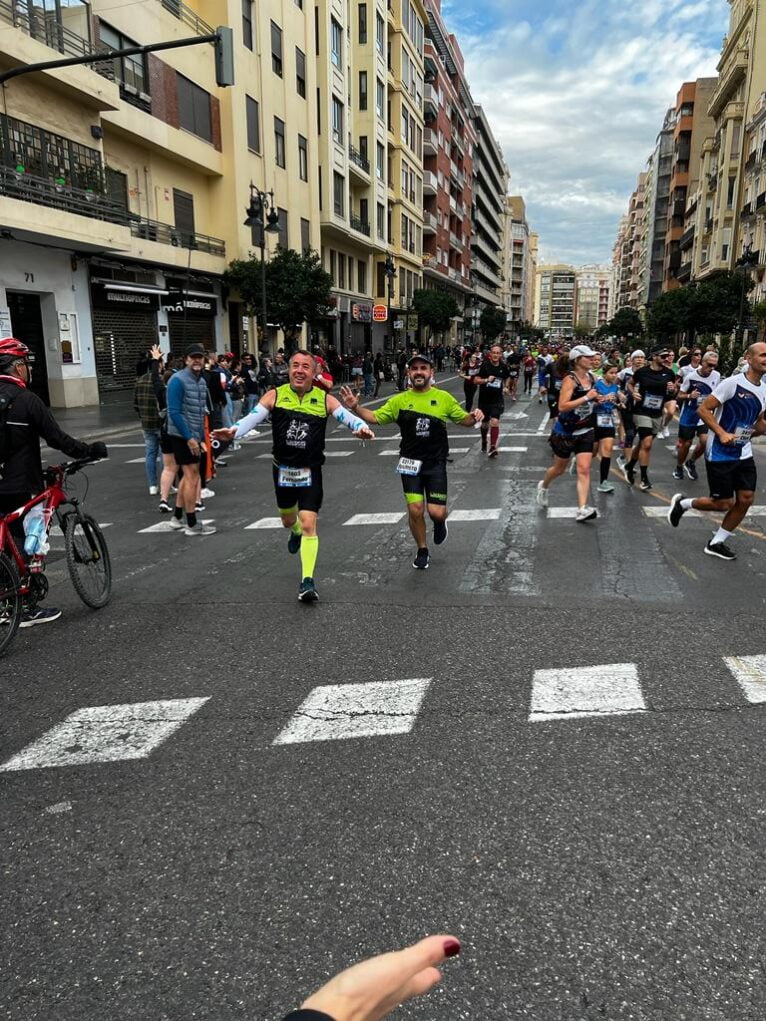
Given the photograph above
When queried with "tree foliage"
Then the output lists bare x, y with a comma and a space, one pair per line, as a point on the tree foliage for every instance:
626, 320
297, 288
582, 331
492, 322
435, 309
706, 307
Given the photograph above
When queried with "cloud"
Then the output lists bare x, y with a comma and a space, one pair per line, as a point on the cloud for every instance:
576, 91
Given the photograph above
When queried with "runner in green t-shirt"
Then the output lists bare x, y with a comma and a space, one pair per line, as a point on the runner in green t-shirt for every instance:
422, 414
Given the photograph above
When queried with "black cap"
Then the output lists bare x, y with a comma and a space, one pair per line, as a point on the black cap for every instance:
419, 358
659, 350
195, 349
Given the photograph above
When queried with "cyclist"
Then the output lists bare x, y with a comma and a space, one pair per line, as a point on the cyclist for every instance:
27, 419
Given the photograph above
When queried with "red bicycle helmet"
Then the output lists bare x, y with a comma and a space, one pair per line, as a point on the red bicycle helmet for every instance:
10, 347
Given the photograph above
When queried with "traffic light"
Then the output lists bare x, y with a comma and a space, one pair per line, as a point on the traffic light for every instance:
224, 56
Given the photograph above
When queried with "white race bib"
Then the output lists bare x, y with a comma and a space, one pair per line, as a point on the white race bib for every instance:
744, 434
294, 476
495, 384
653, 402
604, 421
408, 466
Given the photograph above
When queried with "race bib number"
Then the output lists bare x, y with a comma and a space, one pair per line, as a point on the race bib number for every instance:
653, 402
408, 466
294, 476
495, 384
743, 434
604, 421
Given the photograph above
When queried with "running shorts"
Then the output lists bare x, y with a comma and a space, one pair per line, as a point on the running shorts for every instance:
166, 445
604, 433
430, 484
493, 409
688, 432
725, 478
182, 454
306, 498
564, 446
646, 426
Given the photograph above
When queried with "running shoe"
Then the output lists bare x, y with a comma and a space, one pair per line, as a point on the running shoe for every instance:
199, 529
39, 616
199, 506
164, 507
713, 549
586, 513
605, 487
541, 495
421, 560
678, 474
307, 592
207, 493
294, 542
645, 485
676, 511
153, 490
691, 470
630, 474
440, 532
176, 524
492, 452
665, 434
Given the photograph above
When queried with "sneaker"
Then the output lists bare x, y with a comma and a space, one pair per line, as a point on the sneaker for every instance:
630, 474
199, 529
294, 542
621, 462
691, 470
665, 433
39, 616
173, 490
153, 490
440, 532
605, 487
586, 513
645, 485
206, 493
307, 592
676, 511
678, 474
199, 506
483, 446
176, 524
164, 507
492, 452
421, 560
541, 495
713, 549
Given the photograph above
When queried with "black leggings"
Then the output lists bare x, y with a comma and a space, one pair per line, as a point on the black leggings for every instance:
469, 389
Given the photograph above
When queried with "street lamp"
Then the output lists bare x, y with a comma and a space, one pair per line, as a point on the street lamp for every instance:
390, 274
262, 207
744, 262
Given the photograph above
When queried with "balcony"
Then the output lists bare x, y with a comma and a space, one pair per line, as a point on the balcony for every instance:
750, 161
760, 202
187, 16
674, 261
430, 101
747, 210
357, 224
430, 142
684, 274
679, 207
430, 183
45, 28
728, 82
430, 223
359, 161
687, 239
455, 242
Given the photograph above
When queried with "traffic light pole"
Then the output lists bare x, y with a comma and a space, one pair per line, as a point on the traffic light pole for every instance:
222, 38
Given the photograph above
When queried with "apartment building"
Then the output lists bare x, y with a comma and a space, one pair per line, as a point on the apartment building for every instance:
449, 142
534, 258
655, 220
518, 265
555, 300
490, 185
123, 184
593, 296
752, 240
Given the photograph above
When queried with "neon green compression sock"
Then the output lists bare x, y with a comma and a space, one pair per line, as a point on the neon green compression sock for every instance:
309, 553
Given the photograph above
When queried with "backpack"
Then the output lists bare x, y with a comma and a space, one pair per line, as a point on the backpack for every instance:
6, 403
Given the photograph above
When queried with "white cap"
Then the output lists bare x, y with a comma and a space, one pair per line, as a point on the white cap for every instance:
637, 354
581, 351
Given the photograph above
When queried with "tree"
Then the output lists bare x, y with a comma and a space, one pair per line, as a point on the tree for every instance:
435, 309
672, 313
493, 321
582, 331
626, 320
297, 288
759, 314
720, 300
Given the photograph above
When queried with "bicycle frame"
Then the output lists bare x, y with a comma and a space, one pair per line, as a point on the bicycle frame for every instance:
52, 497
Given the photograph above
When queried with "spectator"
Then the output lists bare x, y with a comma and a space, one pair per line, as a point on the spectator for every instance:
368, 370
379, 372
250, 383
265, 375
146, 395
280, 369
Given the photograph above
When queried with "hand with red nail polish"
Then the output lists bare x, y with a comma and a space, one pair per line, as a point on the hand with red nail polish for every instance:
370, 990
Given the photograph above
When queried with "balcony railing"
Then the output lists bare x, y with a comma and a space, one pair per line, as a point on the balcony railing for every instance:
358, 159
747, 209
760, 202
46, 29
96, 206
359, 224
190, 18
687, 238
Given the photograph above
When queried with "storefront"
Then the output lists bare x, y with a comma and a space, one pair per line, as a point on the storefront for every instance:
124, 330
191, 317
361, 326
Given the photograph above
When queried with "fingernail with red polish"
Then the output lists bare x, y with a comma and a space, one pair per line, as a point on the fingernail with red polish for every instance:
451, 948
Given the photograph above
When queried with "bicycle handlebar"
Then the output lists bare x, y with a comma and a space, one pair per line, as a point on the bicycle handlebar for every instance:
70, 467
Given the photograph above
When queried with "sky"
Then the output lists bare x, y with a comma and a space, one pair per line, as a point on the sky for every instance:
575, 92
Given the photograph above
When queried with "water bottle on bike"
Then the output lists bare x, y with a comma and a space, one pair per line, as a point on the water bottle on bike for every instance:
36, 543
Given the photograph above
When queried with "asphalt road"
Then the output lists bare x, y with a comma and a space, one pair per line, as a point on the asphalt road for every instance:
235, 836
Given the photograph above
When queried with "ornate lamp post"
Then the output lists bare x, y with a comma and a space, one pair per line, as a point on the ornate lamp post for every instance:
261, 212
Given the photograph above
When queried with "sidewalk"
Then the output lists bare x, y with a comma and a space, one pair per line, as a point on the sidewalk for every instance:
96, 422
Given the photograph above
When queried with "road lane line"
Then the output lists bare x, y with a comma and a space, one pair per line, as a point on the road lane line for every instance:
750, 674
375, 519
571, 693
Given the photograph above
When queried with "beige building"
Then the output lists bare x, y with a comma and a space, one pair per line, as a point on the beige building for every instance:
593, 296
555, 300
490, 184
752, 238
519, 263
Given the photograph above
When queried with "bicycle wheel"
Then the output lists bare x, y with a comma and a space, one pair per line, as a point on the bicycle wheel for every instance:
10, 602
87, 559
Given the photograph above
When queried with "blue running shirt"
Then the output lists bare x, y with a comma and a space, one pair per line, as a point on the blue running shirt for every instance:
742, 404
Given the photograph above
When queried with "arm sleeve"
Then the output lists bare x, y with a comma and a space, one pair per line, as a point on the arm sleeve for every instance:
51, 431
258, 415
345, 417
175, 406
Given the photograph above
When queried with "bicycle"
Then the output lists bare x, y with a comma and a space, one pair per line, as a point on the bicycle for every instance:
24, 582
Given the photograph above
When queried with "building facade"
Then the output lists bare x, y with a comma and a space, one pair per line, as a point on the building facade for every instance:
518, 265
555, 300
490, 185
593, 296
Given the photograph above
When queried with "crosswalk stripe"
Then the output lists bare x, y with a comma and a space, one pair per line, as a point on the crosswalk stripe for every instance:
110, 733
388, 453
265, 523
164, 526
375, 519
513, 450
486, 514
335, 712
662, 512
750, 674
558, 513
338, 453
137, 460
586, 691
56, 533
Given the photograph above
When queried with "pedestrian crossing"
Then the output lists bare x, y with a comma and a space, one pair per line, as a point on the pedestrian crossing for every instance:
375, 709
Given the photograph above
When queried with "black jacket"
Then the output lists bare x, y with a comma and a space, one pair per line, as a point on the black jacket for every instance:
29, 419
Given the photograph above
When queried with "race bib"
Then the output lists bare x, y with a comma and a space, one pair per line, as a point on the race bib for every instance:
495, 384
408, 466
743, 434
604, 421
653, 402
294, 476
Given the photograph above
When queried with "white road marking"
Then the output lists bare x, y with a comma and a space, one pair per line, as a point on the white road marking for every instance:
586, 691
56, 533
513, 450
750, 674
265, 523
516, 416
662, 512
375, 519
164, 526
389, 453
487, 514
339, 453
558, 513
107, 733
137, 460
59, 808
459, 450
544, 424
335, 712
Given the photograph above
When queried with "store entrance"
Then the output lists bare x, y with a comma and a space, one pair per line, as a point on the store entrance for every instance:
27, 324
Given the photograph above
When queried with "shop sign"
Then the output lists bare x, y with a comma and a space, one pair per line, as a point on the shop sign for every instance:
139, 300
398, 324
361, 313
191, 304
379, 313
412, 322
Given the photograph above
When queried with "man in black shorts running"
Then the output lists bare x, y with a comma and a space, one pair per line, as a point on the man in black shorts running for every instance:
492, 375
651, 388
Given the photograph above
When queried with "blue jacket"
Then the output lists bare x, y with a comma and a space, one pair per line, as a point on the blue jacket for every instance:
187, 405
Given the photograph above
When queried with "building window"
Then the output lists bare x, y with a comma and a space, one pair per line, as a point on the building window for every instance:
316, 29
336, 43
361, 276
303, 158
362, 90
253, 124
380, 34
380, 97
300, 72
279, 141
337, 120
305, 235
183, 209
130, 72
381, 221
363, 146
194, 108
282, 225
362, 23
247, 24
299, 3
380, 161
276, 49
341, 270
338, 188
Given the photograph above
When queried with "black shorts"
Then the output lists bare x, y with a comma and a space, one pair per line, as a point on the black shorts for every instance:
166, 445
492, 410
179, 448
604, 433
429, 485
688, 432
304, 498
725, 478
564, 446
